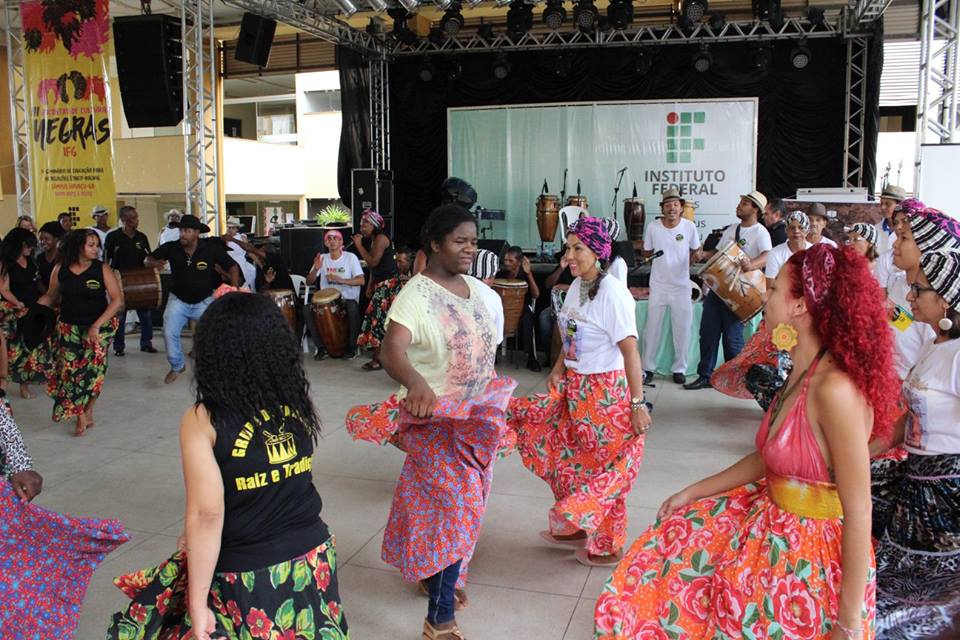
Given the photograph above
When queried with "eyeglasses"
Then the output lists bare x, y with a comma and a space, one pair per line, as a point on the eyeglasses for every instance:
916, 290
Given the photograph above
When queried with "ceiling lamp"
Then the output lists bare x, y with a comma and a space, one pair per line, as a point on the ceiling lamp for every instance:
554, 14
519, 18
702, 60
452, 21
694, 10
585, 15
620, 14
377, 5
501, 67
347, 7
409, 5
768, 10
443, 5
800, 56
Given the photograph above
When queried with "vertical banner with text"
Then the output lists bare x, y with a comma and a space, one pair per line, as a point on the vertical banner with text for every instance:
66, 78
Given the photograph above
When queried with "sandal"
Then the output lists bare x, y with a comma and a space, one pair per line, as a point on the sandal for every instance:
432, 633
373, 365
572, 540
460, 599
588, 559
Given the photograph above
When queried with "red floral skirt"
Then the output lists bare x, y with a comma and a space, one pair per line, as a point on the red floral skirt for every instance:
374, 326
81, 368
578, 438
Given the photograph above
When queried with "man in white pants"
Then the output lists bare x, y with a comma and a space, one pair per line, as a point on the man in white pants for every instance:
670, 287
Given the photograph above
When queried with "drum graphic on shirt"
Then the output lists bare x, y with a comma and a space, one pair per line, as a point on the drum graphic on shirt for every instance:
742, 291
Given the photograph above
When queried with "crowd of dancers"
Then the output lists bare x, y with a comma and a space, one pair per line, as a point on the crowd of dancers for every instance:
843, 523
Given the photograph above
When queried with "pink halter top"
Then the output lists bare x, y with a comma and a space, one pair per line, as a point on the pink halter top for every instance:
793, 452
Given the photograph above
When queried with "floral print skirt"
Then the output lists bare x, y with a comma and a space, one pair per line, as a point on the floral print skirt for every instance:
296, 599
374, 325
46, 562
26, 365
81, 368
731, 566
578, 438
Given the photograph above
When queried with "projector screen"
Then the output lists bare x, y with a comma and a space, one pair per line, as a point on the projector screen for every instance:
707, 148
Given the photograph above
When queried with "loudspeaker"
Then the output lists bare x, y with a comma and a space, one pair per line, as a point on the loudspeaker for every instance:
255, 39
498, 246
372, 189
298, 246
150, 69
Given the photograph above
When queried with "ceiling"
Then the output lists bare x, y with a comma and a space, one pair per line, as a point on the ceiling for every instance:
253, 87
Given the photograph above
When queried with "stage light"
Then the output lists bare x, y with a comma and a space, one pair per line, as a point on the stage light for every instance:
502, 3
427, 71
800, 56
401, 32
702, 60
620, 13
347, 7
473, 4
694, 10
436, 36
554, 14
585, 15
759, 57
452, 21
644, 62
815, 15
409, 5
485, 31
717, 21
501, 67
768, 10
443, 5
374, 27
377, 5
519, 18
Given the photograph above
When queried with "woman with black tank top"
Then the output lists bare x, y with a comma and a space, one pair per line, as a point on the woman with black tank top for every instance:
259, 557
90, 299
20, 287
375, 248
50, 235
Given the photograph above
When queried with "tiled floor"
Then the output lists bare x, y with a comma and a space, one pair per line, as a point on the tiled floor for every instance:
128, 467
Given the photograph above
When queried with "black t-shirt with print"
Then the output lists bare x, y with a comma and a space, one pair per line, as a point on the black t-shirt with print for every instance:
83, 296
123, 252
194, 277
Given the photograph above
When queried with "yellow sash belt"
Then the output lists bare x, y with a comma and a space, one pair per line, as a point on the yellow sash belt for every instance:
809, 499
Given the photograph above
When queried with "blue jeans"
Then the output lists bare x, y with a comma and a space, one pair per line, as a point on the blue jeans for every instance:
146, 330
718, 321
175, 317
441, 591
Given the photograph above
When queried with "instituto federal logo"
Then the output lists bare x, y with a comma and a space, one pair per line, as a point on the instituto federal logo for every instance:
681, 142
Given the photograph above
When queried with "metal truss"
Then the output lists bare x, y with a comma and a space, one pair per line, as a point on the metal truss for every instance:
19, 118
855, 111
865, 12
790, 29
311, 17
937, 114
379, 73
201, 119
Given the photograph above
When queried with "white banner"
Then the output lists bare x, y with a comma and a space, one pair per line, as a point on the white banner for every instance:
706, 148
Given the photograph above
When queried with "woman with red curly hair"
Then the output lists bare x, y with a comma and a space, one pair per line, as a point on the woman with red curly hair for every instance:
778, 545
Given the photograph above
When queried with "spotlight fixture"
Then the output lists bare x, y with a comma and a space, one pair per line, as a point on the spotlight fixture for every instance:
501, 67
759, 57
427, 71
586, 16
694, 10
768, 10
401, 32
519, 18
473, 4
800, 56
554, 14
436, 36
502, 3
620, 13
815, 15
644, 62
347, 7
452, 21
409, 5
443, 5
485, 31
702, 60
374, 27
377, 5
717, 21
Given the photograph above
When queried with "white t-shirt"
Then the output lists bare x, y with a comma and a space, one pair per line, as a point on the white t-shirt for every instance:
778, 257
908, 341
885, 238
933, 390
618, 269
754, 239
347, 266
672, 269
884, 269
239, 256
168, 235
591, 332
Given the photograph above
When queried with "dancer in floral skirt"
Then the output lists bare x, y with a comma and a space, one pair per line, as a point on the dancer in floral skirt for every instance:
778, 545
261, 561
585, 437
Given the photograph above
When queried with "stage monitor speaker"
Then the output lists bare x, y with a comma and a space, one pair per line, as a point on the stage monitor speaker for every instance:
255, 39
372, 189
150, 69
298, 246
498, 246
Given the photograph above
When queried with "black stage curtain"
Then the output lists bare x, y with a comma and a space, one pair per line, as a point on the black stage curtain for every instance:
801, 115
355, 114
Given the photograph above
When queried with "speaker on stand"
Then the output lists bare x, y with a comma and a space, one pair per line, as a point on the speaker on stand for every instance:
149, 55
372, 189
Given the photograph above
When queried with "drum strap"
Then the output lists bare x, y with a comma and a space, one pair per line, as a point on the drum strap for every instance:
737, 235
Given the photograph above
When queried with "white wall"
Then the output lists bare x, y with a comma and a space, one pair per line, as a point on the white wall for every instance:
319, 135
896, 148
251, 168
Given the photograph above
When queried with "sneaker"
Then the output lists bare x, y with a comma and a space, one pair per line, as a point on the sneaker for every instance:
173, 375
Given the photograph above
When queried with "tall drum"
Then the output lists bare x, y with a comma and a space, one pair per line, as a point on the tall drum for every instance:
330, 318
514, 294
742, 291
286, 299
141, 288
634, 217
578, 201
548, 216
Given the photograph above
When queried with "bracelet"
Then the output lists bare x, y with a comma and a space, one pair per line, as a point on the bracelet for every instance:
848, 633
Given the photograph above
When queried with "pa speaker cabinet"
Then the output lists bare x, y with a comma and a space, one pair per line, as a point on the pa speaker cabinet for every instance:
372, 189
150, 69
255, 39
298, 246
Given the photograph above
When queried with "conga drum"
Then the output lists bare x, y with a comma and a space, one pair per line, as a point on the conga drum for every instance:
330, 319
548, 216
634, 217
742, 291
578, 201
286, 299
141, 288
513, 293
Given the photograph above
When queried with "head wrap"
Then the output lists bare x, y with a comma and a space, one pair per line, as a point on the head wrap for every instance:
593, 233
374, 218
934, 230
867, 231
335, 232
485, 264
818, 266
943, 273
910, 206
612, 227
801, 217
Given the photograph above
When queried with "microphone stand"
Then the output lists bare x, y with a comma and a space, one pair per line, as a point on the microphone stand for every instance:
616, 191
543, 250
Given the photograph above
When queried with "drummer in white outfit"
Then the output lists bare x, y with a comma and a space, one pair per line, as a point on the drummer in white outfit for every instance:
670, 287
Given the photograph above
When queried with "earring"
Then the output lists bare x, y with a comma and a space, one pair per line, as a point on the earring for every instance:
784, 337
945, 323
598, 265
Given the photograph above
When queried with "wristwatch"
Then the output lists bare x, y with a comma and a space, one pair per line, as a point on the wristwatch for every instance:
637, 403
